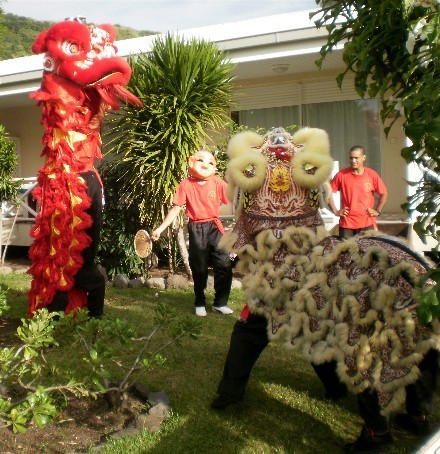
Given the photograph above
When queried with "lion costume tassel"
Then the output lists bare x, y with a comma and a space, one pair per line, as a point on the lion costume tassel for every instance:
83, 77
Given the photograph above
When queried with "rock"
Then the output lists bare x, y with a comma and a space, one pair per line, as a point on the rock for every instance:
156, 282
159, 397
210, 283
131, 432
160, 411
139, 282
236, 283
177, 281
121, 281
149, 422
5, 270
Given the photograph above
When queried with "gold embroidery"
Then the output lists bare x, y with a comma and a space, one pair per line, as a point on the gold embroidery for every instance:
280, 179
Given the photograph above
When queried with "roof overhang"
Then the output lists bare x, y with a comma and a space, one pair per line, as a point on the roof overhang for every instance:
281, 45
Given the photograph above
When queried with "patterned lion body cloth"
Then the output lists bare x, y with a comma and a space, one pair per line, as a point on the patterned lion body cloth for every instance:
349, 301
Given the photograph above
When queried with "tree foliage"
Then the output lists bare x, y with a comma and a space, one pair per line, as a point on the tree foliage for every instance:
393, 48
8, 162
186, 90
186, 87
18, 34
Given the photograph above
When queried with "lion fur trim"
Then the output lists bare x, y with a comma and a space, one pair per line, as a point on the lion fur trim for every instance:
253, 161
303, 297
315, 153
315, 140
323, 165
243, 142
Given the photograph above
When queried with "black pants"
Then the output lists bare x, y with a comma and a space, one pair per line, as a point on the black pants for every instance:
420, 395
88, 277
249, 338
348, 233
203, 252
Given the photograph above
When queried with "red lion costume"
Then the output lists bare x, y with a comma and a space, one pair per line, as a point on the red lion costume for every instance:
83, 77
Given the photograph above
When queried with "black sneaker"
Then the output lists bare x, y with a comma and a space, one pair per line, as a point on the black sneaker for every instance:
413, 425
369, 441
221, 402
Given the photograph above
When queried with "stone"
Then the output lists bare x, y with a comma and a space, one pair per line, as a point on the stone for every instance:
236, 283
160, 411
159, 397
139, 282
121, 281
148, 422
175, 281
210, 283
5, 270
156, 282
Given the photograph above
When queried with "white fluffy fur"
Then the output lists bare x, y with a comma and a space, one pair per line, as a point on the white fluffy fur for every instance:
316, 153
314, 139
322, 163
237, 165
243, 142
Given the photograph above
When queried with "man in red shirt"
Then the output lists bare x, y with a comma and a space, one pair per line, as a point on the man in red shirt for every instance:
358, 185
202, 193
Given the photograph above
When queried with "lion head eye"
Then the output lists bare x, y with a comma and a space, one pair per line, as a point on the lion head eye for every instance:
71, 48
49, 64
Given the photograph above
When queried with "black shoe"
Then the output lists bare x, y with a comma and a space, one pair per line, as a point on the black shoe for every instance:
368, 441
221, 402
411, 424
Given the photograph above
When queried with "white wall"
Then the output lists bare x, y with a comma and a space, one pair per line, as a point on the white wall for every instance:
24, 124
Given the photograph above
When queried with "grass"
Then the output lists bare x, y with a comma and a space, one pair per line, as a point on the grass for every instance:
284, 410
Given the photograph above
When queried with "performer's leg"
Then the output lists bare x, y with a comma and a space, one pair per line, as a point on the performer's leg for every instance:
420, 396
326, 372
222, 270
198, 260
345, 233
59, 302
375, 433
248, 340
92, 281
94, 191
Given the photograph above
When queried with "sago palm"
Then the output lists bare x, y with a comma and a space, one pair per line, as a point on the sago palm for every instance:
186, 87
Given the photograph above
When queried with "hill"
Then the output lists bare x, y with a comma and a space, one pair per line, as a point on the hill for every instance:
18, 33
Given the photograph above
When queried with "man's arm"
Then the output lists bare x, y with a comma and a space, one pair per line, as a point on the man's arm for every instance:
341, 213
169, 218
375, 212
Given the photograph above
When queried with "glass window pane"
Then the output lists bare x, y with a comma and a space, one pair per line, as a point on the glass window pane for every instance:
269, 118
348, 123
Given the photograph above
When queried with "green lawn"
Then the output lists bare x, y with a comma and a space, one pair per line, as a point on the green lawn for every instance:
284, 410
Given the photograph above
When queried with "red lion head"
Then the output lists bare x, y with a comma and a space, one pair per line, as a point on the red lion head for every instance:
85, 55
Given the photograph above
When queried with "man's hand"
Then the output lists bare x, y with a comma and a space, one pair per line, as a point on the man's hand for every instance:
373, 213
344, 212
155, 235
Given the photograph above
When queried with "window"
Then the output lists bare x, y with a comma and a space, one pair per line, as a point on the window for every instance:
347, 123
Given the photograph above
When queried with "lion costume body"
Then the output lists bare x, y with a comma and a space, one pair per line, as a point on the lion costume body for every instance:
350, 302
83, 77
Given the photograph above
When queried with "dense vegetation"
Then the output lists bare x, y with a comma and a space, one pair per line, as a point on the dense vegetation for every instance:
18, 34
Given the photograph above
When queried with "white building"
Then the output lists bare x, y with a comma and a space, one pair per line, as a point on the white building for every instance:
278, 84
